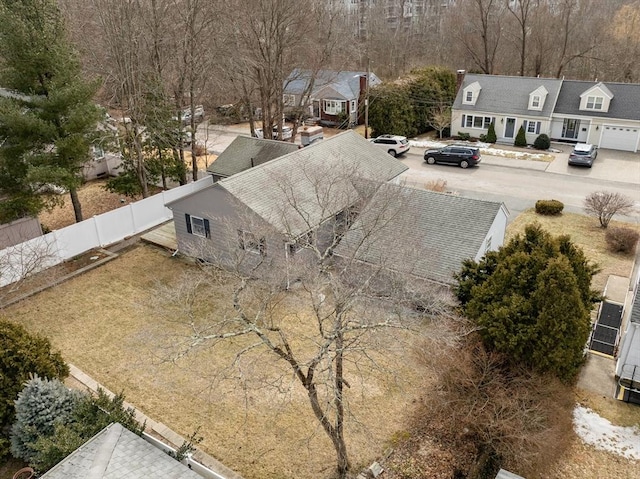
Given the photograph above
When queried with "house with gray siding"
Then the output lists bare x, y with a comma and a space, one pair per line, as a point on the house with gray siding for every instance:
425, 234
245, 152
605, 114
266, 212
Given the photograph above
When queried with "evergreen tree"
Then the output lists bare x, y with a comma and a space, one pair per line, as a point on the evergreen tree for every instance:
46, 130
521, 138
491, 133
532, 301
22, 354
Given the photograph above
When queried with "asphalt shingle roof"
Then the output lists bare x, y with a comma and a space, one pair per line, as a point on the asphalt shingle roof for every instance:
625, 103
426, 234
345, 83
245, 152
298, 191
117, 453
508, 95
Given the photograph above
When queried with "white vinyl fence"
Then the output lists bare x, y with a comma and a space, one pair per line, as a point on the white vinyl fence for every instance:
37, 254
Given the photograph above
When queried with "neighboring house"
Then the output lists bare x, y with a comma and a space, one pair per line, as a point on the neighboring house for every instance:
246, 152
335, 98
628, 363
508, 102
429, 234
117, 453
268, 210
601, 113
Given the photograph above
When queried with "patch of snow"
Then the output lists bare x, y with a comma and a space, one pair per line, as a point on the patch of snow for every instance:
601, 434
485, 148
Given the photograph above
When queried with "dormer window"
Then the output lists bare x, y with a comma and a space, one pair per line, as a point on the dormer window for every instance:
535, 102
537, 98
470, 93
594, 103
469, 97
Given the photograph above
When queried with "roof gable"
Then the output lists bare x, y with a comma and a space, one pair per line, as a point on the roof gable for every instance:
537, 98
598, 89
297, 192
440, 231
345, 83
245, 152
117, 453
471, 93
508, 95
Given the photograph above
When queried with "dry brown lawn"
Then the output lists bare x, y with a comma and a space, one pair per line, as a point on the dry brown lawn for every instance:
586, 233
102, 323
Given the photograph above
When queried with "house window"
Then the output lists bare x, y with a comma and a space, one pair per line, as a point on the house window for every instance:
469, 97
535, 102
334, 107
248, 242
197, 226
532, 126
487, 246
289, 100
353, 107
594, 103
478, 122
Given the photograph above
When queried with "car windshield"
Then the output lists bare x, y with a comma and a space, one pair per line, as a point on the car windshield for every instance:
581, 152
404, 141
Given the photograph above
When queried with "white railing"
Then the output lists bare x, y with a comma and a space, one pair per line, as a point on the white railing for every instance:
102, 230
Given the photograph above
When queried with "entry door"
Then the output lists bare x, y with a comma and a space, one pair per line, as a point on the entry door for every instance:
510, 128
570, 128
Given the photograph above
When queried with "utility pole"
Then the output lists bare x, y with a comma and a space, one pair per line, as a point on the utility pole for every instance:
366, 101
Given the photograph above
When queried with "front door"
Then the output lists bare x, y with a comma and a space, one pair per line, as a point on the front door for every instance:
570, 128
510, 128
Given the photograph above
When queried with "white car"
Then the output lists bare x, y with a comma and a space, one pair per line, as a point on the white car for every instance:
287, 133
185, 115
393, 144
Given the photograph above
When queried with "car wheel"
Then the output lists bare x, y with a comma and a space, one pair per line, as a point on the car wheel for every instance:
464, 164
392, 152
431, 160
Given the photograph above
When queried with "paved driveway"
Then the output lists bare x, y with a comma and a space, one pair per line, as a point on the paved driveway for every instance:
611, 165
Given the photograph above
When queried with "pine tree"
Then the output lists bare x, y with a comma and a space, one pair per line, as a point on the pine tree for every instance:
46, 131
491, 133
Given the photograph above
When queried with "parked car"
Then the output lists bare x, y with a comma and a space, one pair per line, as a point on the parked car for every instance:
583, 154
287, 133
461, 155
393, 144
185, 115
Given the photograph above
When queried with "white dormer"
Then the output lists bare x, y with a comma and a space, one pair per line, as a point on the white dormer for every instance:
537, 98
596, 98
470, 93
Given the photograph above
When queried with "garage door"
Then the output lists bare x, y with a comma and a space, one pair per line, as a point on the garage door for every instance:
620, 137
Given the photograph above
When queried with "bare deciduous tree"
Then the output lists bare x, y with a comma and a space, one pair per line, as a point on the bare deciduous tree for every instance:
440, 119
285, 269
605, 204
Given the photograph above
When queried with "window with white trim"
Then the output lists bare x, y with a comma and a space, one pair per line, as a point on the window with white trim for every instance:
532, 126
594, 102
289, 100
487, 246
469, 97
197, 226
535, 101
353, 106
248, 242
334, 107
477, 122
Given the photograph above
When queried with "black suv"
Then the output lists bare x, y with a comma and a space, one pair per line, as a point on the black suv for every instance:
463, 156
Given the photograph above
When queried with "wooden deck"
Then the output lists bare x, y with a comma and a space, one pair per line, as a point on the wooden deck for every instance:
164, 236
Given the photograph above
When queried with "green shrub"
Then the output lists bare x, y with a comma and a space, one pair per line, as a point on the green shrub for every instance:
542, 142
483, 138
464, 136
622, 240
549, 207
491, 134
521, 138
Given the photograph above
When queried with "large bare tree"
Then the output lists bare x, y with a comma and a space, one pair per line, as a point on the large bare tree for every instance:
283, 273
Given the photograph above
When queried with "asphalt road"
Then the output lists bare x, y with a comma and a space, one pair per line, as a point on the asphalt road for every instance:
520, 185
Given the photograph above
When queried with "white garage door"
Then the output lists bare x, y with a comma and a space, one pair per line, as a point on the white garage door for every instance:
620, 137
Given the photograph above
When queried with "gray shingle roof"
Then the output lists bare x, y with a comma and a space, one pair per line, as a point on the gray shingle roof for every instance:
117, 453
624, 105
245, 152
345, 83
508, 95
426, 234
298, 191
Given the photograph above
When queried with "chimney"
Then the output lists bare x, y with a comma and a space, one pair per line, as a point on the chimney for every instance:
459, 78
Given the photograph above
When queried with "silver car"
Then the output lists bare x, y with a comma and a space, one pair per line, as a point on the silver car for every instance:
583, 154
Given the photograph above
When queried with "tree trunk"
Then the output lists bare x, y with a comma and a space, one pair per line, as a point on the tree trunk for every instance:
75, 201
